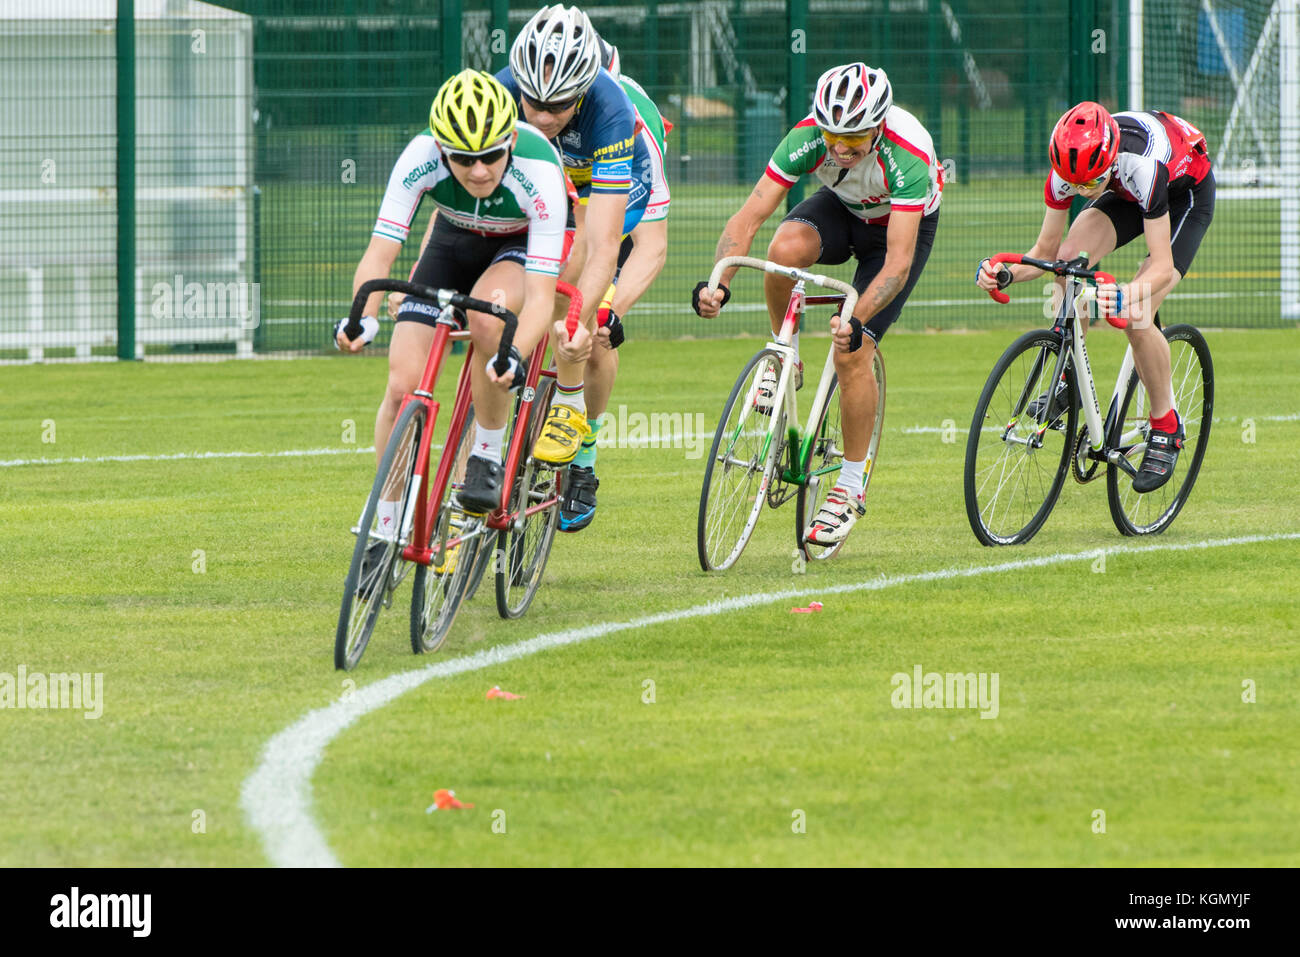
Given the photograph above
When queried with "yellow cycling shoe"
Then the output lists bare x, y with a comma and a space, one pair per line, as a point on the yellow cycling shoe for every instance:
562, 436
447, 564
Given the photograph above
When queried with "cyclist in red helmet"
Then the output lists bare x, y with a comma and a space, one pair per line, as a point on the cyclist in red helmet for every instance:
1144, 173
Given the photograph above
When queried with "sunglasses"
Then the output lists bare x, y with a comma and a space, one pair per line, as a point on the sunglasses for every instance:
852, 142
552, 108
1092, 183
467, 160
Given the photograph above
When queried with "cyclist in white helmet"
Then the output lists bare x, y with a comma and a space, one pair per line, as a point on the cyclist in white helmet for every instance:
879, 202
555, 73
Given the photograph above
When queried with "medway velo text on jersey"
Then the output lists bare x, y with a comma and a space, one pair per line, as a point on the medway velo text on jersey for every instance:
902, 174
599, 145
531, 197
1158, 154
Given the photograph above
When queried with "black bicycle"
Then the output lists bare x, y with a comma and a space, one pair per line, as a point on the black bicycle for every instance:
1025, 434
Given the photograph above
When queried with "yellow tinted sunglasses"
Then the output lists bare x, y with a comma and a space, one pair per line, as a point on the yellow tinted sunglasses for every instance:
852, 142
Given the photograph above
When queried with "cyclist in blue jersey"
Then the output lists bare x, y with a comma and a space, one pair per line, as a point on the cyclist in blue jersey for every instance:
556, 76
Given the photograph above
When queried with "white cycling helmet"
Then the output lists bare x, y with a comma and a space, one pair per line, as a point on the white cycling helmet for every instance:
851, 98
561, 38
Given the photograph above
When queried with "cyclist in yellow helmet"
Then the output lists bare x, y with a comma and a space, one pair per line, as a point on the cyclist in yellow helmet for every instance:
500, 201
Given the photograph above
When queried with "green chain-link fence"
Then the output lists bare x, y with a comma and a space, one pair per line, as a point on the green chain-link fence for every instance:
264, 133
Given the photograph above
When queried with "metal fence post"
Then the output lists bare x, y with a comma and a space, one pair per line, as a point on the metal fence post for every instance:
934, 94
126, 304
500, 21
796, 77
1082, 67
451, 29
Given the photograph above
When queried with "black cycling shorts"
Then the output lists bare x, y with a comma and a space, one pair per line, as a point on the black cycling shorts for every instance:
454, 259
843, 235
1190, 212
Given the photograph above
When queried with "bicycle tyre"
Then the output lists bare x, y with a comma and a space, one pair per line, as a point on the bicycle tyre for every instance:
1135, 513
825, 449
756, 460
357, 615
437, 593
521, 553
1021, 375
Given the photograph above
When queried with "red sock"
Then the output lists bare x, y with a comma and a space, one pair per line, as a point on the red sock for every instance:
1166, 423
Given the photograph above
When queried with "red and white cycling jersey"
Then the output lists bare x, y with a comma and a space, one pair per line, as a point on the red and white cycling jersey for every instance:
1158, 153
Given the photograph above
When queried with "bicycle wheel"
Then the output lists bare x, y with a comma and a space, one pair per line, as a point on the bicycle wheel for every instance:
368, 588
523, 548
439, 588
739, 468
1015, 464
825, 457
1135, 513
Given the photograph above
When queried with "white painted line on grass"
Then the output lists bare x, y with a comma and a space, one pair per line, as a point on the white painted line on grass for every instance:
183, 456
277, 796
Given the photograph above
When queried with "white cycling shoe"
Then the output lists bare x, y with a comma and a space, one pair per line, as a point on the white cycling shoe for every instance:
835, 519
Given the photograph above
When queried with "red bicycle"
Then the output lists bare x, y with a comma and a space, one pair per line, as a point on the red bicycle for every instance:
433, 535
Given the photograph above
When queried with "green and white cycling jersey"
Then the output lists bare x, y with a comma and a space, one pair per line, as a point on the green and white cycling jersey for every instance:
903, 173
531, 197
651, 130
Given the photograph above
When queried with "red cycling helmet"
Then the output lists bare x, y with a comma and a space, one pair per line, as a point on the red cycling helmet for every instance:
1084, 144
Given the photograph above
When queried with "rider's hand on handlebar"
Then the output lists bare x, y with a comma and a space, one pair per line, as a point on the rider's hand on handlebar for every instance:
575, 350
1110, 299
842, 335
369, 327
708, 304
989, 278
395, 300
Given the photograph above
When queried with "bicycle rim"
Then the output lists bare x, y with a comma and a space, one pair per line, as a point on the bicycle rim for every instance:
738, 470
368, 587
440, 587
1136, 513
1015, 466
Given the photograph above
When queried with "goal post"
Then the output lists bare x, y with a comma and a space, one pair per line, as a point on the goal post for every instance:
1239, 81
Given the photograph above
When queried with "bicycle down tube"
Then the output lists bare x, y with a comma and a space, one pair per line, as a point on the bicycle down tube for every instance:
799, 276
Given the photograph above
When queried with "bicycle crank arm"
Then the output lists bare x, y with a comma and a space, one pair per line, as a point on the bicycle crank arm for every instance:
1120, 460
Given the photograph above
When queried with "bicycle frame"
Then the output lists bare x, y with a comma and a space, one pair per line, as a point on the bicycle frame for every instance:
1070, 312
417, 525
799, 441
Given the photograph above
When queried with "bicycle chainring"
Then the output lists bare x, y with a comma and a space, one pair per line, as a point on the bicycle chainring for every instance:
1082, 476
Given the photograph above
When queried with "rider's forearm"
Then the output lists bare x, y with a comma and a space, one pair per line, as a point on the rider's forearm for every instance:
597, 274
889, 282
377, 263
649, 252
736, 239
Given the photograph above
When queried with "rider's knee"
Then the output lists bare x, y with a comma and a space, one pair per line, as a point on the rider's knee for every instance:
791, 247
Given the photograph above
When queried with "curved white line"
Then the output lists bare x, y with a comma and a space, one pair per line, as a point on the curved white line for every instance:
277, 796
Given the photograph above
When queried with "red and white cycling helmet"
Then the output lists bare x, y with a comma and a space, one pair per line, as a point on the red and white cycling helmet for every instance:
851, 98
1085, 142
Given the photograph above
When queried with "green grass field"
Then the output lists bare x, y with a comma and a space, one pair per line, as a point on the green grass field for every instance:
205, 590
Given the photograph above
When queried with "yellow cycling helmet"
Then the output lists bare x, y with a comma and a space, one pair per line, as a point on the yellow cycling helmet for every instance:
471, 112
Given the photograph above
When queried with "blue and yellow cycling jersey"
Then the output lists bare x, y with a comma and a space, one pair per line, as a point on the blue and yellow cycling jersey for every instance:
599, 146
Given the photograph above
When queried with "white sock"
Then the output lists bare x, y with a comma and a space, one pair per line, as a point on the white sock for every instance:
487, 442
388, 516
851, 477
574, 400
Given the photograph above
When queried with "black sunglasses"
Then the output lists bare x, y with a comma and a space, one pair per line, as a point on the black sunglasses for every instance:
469, 159
552, 108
